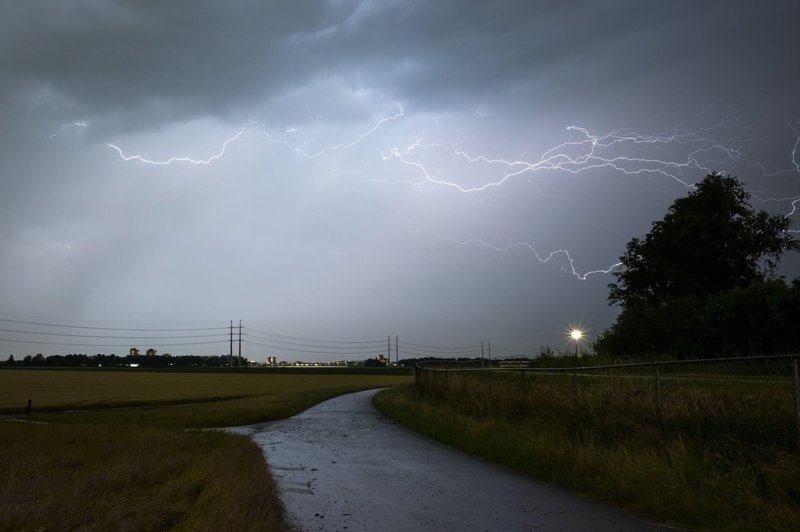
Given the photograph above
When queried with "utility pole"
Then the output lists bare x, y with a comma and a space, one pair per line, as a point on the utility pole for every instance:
240, 343
481, 354
230, 353
389, 348
490, 354
396, 350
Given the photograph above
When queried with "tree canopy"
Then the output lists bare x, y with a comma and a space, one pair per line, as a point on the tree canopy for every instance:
711, 253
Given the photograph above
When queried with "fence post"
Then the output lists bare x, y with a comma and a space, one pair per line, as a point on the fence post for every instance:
659, 411
796, 384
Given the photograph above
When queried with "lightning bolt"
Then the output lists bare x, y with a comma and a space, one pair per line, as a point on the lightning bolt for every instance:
543, 259
794, 209
297, 149
591, 155
624, 151
345, 146
171, 160
63, 128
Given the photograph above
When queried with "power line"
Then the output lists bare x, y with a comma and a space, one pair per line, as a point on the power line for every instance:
337, 351
290, 344
43, 333
37, 342
111, 328
315, 340
435, 349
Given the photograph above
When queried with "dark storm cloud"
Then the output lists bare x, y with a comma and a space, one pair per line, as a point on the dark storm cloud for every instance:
144, 62
341, 245
166, 59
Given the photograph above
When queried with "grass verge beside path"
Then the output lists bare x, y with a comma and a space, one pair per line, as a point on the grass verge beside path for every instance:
139, 469
101, 478
721, 484
214, 414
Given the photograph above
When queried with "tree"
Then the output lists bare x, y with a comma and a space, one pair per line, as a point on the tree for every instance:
700, 283
709, 242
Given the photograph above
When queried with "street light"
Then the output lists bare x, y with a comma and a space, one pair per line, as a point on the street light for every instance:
576, 335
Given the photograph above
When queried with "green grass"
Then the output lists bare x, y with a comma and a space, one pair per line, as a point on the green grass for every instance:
139, 468
756, 409
54, 389
223, 413
710, 483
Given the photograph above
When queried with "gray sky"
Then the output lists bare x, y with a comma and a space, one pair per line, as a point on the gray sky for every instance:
346, 170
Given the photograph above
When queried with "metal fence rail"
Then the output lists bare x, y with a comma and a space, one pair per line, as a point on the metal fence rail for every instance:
755, 399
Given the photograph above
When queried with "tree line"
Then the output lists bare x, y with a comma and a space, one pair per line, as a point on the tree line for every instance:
103, 360
703, 283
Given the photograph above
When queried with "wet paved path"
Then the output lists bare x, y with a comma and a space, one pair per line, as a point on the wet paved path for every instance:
342, 465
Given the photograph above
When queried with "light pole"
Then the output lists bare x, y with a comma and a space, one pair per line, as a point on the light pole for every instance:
576, 335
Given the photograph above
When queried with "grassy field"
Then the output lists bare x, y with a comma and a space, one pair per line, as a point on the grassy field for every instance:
138, 468
66, 389
756, 409
715, 461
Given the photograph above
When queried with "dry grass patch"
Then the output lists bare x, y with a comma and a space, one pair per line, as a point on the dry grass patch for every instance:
70, 477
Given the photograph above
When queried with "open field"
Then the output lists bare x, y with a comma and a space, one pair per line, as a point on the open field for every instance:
137, 468
65, 389
696, 401
719, 453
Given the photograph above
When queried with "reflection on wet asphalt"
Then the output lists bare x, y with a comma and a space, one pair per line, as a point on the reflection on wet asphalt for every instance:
341, 465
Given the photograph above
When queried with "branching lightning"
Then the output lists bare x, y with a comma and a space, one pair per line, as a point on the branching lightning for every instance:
594, 151
543, 259
63, 128
343, 146
297, 149
180, 159
669, 155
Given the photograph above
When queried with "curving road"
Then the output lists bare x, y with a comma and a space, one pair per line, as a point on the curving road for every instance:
342, 465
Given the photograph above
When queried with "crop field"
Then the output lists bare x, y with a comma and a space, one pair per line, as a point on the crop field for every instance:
138, 468
91, 389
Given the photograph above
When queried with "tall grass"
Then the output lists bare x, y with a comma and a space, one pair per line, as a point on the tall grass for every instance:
139, 468
757, 409
708, 483
132, 478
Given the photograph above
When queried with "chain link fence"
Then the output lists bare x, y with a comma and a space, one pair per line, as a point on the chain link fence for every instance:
756, 399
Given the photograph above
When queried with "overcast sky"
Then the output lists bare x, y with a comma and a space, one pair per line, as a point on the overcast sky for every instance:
346, 170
